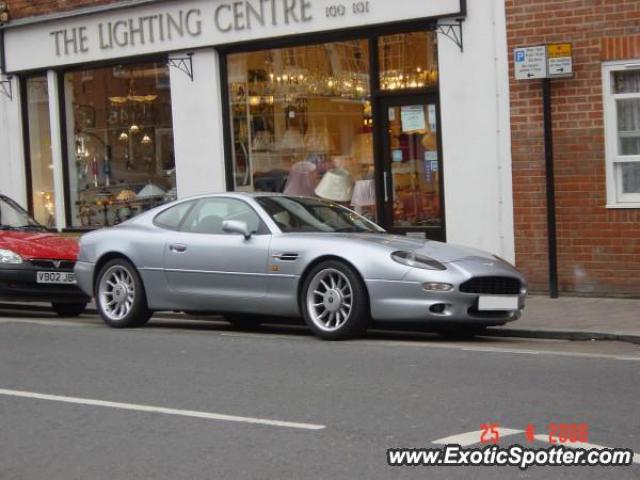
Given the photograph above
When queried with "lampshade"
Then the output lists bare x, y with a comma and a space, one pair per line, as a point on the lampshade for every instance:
302, 179
364, 194
362, 148
150, 190
291, 140
318, 140
336, 185
126, 196
263, 141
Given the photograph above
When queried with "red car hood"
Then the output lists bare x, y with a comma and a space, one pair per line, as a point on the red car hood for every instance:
39, 245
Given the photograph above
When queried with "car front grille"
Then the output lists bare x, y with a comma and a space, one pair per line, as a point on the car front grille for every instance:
53, 264
492, 286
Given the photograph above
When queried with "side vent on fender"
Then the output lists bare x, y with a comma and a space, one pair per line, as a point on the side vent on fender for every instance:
286, 257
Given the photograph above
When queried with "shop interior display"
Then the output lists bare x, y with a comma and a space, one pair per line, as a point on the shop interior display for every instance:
40, 158
415, 167
122, 154
302, 120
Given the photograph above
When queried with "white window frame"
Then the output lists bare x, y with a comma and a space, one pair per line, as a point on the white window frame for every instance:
615, 198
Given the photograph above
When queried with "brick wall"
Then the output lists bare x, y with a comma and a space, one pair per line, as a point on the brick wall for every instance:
598, 248
27, 8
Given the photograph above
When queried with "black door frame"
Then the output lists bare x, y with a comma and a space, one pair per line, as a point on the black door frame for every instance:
383, 170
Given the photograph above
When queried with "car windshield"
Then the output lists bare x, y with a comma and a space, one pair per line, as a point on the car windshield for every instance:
296, 214
14, 217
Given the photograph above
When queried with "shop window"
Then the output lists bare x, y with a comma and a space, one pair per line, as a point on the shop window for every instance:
120, 142
408, 61
301, 122
40, 160
622, 130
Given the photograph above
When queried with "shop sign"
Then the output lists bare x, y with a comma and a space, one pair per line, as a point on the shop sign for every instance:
189, 24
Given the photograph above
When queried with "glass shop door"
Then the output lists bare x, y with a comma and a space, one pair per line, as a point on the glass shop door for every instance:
411, 169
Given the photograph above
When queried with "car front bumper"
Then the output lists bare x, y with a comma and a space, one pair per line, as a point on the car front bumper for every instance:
18, 284
408, 301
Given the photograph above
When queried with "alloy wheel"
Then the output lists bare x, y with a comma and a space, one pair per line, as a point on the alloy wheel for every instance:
330, 299
116, 292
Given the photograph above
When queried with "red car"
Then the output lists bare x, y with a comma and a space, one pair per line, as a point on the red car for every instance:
35, 265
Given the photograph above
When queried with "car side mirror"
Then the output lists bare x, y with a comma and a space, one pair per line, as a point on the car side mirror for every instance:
237, 226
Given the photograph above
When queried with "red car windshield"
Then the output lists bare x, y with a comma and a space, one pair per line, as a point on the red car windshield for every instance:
14, 217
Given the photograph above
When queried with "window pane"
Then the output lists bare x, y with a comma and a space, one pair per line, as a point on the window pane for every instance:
301, 121
628, 126
40, 151
209, 215
408, 60
172, 217
121, 159
626, 81
630, 177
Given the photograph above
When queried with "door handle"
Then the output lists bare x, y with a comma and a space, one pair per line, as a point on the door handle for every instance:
178, 247
386, 187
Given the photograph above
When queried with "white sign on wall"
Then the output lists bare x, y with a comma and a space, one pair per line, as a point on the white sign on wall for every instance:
186, 24
530, 62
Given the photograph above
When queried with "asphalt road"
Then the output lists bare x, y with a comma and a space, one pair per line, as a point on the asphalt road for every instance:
388, 390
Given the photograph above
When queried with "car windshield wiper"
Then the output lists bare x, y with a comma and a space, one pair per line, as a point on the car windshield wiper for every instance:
7, 227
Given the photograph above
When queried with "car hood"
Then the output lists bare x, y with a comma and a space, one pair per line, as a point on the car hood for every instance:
39, 245
443, 252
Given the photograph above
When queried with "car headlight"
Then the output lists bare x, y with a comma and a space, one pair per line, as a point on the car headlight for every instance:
410, 259
9, 257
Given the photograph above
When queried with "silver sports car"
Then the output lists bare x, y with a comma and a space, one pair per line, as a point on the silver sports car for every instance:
250, 255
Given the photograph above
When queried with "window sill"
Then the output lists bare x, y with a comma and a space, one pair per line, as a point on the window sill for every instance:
623, 205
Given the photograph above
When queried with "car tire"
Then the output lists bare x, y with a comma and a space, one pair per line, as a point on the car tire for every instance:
69, 309
334, 301
120, 295
244, 322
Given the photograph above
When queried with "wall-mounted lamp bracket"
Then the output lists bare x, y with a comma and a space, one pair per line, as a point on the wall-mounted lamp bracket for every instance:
6, 87
184, 64
453, 31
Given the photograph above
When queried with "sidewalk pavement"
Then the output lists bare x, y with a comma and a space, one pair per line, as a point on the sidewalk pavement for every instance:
564, 318
577, 318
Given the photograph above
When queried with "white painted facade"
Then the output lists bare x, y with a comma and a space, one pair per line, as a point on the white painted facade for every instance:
474, 95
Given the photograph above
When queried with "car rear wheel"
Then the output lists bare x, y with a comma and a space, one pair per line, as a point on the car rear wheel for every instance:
69, 309
120, 295
334, 302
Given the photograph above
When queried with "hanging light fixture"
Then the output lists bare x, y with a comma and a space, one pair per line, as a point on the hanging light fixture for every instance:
146, 140
124, 136
134, 128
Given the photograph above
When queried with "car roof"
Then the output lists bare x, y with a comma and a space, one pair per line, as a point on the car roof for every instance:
245, 195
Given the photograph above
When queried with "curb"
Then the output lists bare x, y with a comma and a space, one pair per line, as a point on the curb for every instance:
561, 335
491, 331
